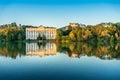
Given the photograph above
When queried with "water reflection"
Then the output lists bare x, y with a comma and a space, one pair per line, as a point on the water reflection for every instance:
73, 50
82, 49
40, 49
12, 49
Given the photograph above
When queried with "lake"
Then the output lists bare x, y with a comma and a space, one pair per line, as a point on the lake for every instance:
65, 61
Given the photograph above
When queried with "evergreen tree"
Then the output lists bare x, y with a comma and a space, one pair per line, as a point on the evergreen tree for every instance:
39, 37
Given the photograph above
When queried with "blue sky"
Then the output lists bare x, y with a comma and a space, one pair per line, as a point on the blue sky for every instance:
59, 13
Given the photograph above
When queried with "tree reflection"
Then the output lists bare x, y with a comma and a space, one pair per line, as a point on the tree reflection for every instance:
71, 49
81, 49
12, 49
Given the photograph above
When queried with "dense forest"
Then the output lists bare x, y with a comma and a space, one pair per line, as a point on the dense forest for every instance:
12, 32
101, 33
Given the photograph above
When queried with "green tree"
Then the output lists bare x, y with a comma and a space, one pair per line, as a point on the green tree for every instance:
72, 36
1, 38
43, 37
39, 37
59, 34
19, 36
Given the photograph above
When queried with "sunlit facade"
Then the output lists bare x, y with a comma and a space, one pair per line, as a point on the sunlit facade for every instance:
33, 32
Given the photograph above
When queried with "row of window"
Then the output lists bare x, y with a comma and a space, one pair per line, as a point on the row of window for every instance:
35, 47
40, 32
37, 35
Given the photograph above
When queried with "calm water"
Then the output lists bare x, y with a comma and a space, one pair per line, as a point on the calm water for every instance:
50, 61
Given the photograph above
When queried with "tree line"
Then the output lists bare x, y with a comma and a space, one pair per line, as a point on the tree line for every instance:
12, 32
102, 33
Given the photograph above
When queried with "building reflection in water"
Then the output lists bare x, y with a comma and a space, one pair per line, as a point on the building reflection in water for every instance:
73, 50
41, 49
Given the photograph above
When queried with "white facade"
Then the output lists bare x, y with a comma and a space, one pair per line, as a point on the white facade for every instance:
32, 33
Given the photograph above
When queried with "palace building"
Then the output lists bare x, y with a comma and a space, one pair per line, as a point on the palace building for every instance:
33, 32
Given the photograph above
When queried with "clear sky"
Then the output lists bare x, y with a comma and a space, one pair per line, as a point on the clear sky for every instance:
59, 13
